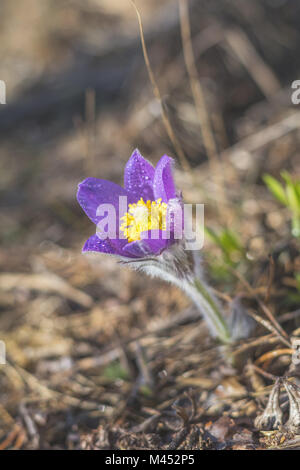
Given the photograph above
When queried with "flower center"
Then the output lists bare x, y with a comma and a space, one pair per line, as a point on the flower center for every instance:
143, 216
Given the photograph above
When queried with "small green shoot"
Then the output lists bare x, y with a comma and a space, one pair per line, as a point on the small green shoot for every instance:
228, 241
287, 194
115, 371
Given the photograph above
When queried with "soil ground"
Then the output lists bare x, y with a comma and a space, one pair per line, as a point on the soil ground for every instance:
99, 356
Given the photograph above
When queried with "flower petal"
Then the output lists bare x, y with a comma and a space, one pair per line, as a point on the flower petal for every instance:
107, 246
136, 249
94, 243
118, 245
155, 241
138, 177
151, 244
93, 192
163, 185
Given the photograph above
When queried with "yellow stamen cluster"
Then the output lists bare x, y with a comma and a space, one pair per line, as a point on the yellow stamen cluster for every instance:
143, 216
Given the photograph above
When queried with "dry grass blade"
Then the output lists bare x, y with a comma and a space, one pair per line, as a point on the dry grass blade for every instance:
267, 339
289, 316
199, 100
264, 136
270, 278
252, 61
44, 283
90, 129
264, 308
262, 372
268, 325
166, 121
270, 355
98, 356
16, 437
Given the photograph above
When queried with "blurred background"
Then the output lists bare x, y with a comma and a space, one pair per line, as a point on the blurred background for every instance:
93, 350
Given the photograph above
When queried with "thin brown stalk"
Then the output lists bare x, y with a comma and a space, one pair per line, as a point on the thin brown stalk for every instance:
198, 96
262, 372
268, 325
270, 278
270, 355
166, 121
90, 132
264, 308
261, 73
267, 339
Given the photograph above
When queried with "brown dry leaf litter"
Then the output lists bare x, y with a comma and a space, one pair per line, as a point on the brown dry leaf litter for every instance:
100, 357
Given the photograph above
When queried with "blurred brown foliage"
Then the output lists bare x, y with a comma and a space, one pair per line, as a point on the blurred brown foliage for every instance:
98, 356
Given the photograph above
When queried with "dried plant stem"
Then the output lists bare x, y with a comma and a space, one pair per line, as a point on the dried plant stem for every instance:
90, 128
277, 327
198, 96
157, 94
261, 73
270, 355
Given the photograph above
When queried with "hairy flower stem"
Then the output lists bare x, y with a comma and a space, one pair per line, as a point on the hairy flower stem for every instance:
179, 267
209, 308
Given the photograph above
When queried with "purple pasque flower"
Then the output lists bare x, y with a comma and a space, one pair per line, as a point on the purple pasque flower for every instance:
146, 225
148, 230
